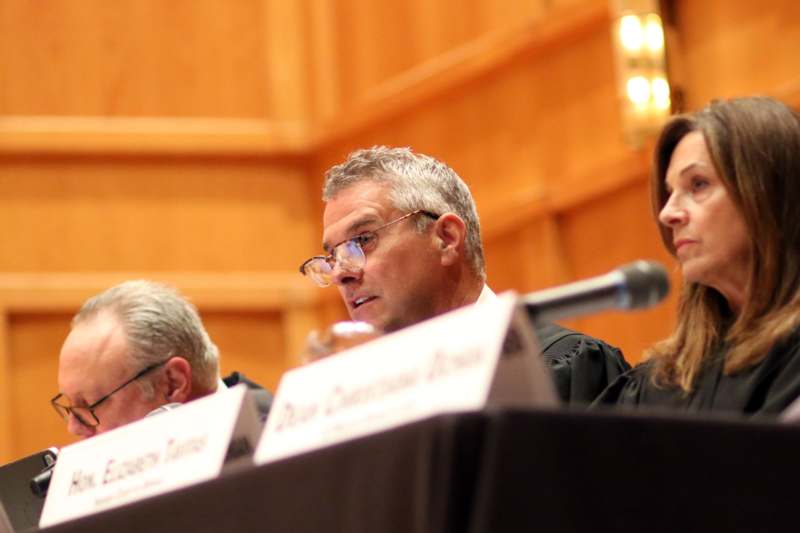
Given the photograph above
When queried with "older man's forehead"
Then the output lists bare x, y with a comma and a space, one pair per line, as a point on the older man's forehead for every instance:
93, 353
102, 335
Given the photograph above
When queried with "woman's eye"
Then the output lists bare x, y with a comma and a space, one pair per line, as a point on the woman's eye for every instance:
698, 184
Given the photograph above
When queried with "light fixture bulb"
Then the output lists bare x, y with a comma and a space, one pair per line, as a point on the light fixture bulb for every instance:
654, 33
631, 33
660, 89
638, 89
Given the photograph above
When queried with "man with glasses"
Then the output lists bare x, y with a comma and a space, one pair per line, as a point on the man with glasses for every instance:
402, 244
132, 349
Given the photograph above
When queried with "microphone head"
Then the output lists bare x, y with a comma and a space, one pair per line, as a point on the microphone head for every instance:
646, 283
41, 481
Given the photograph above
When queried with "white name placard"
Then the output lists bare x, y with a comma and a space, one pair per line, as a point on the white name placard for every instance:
154, 455
464, 360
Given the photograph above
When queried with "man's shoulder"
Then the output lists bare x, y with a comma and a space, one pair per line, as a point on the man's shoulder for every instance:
552, 336
582, 365
555, 340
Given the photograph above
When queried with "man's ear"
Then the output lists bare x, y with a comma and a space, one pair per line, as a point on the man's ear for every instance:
178, 372
450, 232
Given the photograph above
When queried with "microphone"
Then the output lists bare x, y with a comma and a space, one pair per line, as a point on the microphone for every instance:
41, 481
636, 285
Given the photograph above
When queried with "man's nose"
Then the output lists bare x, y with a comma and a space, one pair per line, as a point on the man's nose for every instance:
343, 275
77, 428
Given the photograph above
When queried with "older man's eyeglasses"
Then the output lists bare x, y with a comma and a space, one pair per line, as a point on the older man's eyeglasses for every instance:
349, 254
85, 414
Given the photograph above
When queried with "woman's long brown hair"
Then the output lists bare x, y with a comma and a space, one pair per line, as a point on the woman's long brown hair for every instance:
754, 144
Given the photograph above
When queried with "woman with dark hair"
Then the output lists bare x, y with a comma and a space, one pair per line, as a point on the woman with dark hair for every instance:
726, 193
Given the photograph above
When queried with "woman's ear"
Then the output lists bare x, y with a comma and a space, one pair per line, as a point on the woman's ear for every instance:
178, 372
450, 232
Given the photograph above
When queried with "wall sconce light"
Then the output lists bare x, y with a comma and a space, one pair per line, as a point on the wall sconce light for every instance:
643, 86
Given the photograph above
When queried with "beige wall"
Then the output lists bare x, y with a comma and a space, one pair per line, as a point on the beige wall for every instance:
185, 141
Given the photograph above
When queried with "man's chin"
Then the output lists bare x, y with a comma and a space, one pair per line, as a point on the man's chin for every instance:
374, 314
373, 321
368, 312
376, 321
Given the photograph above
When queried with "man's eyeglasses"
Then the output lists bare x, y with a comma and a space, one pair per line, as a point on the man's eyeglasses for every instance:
85, 414
349, 254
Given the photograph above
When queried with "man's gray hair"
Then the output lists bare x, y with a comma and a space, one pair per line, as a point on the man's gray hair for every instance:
159, 323
418, 181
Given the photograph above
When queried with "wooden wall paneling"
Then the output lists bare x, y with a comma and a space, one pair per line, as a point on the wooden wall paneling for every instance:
611, 230
385, 43
498, 15
520, 132
546, 256
76, 136
153, 214
627, 227
134, 58
35, 342
286, 32
789, 92
425, 34
446, 73
251, 341
352, 60
324, 73
332, 309
298, 322
737, 48
38, 292
505, 262
378, 41
528, 258
6, 378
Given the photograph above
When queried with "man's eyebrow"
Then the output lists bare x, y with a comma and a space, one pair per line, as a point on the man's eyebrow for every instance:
353, 229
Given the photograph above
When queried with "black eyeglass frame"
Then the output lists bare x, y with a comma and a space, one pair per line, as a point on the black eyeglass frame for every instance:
65, 410
331, 260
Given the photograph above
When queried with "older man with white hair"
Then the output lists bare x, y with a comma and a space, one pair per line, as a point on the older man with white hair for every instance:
134, 348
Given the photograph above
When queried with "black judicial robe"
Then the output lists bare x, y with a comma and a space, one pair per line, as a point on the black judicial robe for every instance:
581, 366
766, 388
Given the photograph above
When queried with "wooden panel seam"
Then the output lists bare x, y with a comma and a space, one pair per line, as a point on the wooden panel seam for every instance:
88, 136
244, 291
569, 193
460, 66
